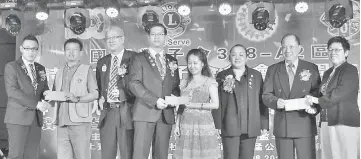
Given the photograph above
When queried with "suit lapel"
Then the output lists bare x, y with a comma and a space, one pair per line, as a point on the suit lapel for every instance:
25, 71
125, 57
152, 64
283, 78
107, 72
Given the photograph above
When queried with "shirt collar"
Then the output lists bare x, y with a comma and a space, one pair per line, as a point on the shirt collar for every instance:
71, 67
120, 55
244, 73
153, 52
294, 63
26, 62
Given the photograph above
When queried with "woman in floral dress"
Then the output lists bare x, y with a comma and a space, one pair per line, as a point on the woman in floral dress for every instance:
194, 124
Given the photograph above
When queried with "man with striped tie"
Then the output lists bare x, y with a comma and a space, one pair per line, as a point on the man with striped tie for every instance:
115, 101
25, 82
74, 116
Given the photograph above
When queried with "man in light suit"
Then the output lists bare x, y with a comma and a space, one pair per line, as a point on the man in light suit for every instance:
25, 82
74, 116
115, 101
242, 115
151, 79
290, 79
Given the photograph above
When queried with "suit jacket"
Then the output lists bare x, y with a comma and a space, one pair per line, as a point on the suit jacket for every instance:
147, 85
22, 98
257, 112
103, 75
340, 99
276, 85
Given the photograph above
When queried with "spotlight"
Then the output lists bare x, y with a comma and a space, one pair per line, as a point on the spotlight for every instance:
337, 12
224, 7
11, 21
301, 6
261, 15
184, 7
77, 19
149, 14
112, 8
149, 17
42, 12
13, 24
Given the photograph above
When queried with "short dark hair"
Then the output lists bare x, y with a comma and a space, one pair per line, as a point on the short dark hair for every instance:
294, 35
74, 40
152, 25
31, 37
238, 45
339, 39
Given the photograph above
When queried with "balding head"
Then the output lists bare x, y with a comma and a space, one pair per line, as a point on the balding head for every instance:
291, 36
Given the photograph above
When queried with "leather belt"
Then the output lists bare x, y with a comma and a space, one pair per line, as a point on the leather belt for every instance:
114, 105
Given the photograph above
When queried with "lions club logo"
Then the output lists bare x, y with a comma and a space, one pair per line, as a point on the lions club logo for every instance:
350, 28
247, 30
174, 22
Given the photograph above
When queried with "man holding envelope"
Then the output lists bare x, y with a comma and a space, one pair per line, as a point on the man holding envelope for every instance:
286, 84
153, 75
75, 89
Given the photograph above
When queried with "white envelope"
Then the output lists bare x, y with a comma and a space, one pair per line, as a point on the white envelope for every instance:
296, 104
173, 100
55, 96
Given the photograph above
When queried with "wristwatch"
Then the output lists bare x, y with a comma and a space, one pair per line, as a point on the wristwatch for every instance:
78, 99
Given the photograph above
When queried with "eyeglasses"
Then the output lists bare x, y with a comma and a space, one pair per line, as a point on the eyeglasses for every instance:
334, 50
113, 37
30, 49
159, 34
290, 47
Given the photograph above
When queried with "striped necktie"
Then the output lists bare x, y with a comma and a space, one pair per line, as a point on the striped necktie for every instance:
33, 74
113, 78
291, 74
159, 64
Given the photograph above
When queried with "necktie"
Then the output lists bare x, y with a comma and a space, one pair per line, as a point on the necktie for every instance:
291, 74
33, 74
113, 78
159, 64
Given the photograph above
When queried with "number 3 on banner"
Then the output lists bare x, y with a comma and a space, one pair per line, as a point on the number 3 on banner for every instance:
222, 53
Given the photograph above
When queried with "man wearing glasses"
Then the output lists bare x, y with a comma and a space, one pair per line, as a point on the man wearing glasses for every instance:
151, 80
25, 82
290, 79
115, 101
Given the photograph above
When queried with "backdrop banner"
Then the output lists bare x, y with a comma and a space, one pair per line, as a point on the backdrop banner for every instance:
206, 29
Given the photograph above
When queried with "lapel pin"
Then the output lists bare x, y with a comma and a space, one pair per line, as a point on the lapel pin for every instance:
104, 68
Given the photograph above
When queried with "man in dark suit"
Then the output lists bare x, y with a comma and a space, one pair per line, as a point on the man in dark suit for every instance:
25, 82
151, 80
242, 115
290, 79
115, 101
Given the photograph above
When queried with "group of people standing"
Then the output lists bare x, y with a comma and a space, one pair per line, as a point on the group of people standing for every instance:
131, 88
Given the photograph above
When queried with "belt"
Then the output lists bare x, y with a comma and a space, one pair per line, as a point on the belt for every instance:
114, 105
